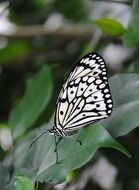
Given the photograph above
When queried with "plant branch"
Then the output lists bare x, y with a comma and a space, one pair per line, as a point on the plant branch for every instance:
116, 1
38, 30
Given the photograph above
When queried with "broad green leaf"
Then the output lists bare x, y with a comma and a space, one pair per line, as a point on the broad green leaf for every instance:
13, 50
23, 183
71, 154
35, 99
125, 94
131, 36
4, 177
110, 27
22, 155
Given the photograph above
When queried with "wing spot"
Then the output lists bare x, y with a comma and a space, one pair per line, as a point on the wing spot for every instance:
95, 73
84, 115
90, 90
86, 60
107, 95
109, 111
77, 80
97, 105
61, 112
97, 57
102, 86
110, 105
102, 66
82, 61
109, 100
63, 100
72, 92
106, 90
98, 81
95, 97
71, 83
105, 78
91, 79
81, 89
103, 73
85, 78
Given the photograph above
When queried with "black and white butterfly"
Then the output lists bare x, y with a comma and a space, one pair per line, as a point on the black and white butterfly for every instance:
84, 98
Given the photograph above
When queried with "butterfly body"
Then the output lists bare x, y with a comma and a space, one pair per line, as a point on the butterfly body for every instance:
84, 98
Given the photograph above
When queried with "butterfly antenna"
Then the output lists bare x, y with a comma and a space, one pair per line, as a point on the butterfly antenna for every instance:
38, 138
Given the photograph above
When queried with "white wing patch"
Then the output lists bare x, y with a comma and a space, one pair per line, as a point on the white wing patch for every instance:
85, 97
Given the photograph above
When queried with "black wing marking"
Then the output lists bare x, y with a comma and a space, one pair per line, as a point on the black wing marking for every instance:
85, 97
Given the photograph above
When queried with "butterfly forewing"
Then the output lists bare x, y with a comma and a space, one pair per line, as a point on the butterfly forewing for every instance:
85, 97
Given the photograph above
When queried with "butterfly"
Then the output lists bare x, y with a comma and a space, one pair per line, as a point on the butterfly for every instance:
85, 98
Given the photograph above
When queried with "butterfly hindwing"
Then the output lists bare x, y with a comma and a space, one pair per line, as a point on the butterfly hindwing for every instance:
85, 97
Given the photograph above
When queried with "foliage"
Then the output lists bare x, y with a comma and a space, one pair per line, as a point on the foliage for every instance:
110, 27
22, 182
25, 114
35, 61
126, 104
131, 37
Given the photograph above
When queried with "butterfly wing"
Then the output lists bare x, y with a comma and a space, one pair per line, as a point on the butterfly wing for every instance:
85, 96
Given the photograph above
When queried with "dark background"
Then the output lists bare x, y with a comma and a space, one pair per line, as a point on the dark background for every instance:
56, 33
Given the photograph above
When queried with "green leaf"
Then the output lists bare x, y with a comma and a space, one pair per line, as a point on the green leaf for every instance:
71, 154
22, 155
110, 27
131, 36
125, 94
23, 183
35, 99
4, 177
13, 50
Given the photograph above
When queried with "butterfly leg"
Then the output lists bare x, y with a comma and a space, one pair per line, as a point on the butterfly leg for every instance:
55, 150
56, 143
80, 142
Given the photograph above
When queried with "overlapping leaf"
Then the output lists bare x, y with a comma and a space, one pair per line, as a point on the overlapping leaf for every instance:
125, 94
71, 154
35, 99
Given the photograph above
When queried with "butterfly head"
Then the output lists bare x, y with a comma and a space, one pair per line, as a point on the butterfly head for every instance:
57, 131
